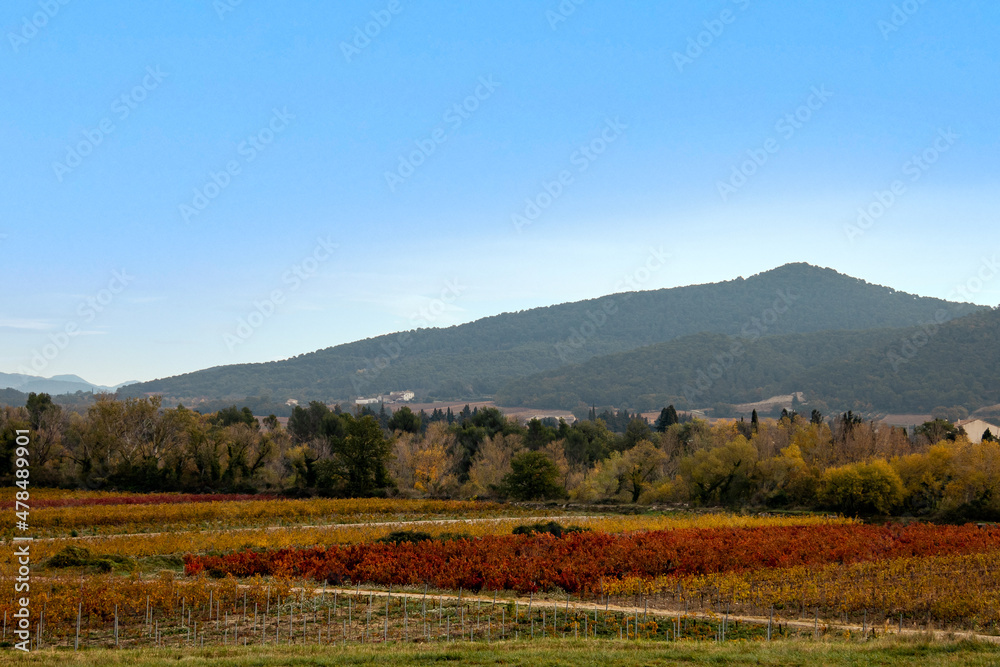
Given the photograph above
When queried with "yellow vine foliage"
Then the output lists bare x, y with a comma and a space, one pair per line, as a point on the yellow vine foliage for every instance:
98, 519
951, 589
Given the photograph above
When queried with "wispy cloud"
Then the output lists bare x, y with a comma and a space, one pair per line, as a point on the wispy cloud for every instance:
24, 324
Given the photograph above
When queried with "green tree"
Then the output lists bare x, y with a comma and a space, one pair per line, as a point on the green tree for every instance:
538, 434
533, 476
231, 415
360, 458
37, 405
667, 418
404, 420
587, 442
636, 431
306, 423
937, 430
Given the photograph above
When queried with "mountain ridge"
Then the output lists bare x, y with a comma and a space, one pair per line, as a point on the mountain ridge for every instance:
478, 358
914, 369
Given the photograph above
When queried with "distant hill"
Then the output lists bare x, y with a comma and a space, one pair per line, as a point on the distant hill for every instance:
478, 358
912, 369
76, 402
57, 384
13, 397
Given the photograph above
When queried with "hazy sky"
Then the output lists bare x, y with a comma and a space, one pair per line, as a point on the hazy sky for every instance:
346, 169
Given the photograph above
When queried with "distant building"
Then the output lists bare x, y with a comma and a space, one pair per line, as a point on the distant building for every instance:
391, 397
292, 402
976, 428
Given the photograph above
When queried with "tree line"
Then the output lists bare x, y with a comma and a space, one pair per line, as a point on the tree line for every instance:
844, 463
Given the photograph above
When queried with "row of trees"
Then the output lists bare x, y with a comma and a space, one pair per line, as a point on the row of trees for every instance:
845, 463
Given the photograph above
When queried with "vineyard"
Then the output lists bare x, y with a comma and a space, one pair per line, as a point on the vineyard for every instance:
178, 571
580, 562
102, 515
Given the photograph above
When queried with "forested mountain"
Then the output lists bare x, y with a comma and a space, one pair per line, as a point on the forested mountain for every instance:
912, 369
478, 358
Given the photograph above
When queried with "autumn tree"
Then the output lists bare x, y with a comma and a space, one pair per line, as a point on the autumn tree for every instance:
425, 465
722, 475
490, 464
862, 488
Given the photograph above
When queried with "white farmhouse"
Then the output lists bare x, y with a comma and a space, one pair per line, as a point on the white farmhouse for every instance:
976, 428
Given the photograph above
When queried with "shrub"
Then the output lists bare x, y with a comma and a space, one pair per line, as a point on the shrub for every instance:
552, 527
402, 536
73, 556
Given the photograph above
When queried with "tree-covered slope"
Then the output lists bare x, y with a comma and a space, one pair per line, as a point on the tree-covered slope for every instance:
912, 369
478, 358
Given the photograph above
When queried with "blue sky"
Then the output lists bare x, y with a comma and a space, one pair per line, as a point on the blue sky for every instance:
171, 169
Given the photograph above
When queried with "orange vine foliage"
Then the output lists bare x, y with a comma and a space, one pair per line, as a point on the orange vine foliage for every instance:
580, 562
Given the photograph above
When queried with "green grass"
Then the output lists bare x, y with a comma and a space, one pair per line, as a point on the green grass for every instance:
888, 651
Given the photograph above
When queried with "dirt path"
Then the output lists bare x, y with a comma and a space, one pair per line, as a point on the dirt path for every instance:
547, 603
